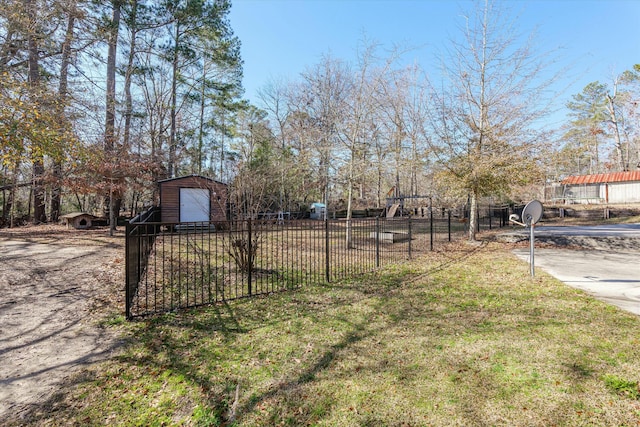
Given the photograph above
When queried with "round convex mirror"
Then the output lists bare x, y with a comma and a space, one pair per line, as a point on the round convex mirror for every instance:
532, 212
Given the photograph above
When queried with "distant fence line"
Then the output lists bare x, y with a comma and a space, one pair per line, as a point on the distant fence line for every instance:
173, 266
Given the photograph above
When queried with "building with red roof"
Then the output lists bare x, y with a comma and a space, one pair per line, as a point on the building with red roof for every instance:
614, 187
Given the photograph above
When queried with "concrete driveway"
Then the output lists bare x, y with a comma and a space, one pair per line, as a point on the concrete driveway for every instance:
631, 231
610, 273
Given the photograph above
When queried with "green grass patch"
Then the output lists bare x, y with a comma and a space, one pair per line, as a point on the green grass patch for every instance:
623, 387
461, 337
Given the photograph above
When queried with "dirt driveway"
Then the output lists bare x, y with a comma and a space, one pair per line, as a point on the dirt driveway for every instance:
56, 286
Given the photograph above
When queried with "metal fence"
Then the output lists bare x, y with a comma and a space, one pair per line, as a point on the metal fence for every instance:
172, 266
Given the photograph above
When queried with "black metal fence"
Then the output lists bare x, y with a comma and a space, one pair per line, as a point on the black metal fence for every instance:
179, 265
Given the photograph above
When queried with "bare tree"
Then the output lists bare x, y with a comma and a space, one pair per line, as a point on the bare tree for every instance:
621, 105
274, 99
402, 113
622, 157
322, 96
482, 124
359, 108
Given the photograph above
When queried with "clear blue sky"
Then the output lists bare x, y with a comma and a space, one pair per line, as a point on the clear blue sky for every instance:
281, 38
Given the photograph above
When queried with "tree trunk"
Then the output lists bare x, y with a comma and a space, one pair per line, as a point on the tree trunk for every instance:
39, 212
4, 207
109, 132
222, 149
109, 129
128, 111
56, 192
174, 103
350, 183
623, 161
379, 184
473, 215
349, 231
12, 195
201, 120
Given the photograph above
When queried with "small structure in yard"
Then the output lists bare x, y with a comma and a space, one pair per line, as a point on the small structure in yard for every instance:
192, 198
615, 187
317, 210
78, 220
390, 236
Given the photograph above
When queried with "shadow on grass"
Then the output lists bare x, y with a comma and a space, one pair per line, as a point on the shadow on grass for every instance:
172, 345
164, 341
357, 334
166, 351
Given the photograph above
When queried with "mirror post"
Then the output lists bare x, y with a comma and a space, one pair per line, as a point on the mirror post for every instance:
531, 214
531, 250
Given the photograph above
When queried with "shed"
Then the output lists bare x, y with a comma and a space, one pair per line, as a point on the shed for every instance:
615, 187
78, 220
317, 210
193, 198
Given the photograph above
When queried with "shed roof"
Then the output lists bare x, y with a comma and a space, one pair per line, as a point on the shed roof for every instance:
191, 176
603, 178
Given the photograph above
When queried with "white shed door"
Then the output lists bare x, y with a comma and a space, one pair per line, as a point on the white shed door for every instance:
194, 205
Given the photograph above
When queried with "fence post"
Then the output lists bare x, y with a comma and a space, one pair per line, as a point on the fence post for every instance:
326, 250
409, 226
449, 223
139, 256
431, 227
127, 268
490, 215
377, 242
250, 257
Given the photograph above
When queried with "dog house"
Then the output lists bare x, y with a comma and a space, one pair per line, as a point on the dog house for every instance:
78, 220
192, 198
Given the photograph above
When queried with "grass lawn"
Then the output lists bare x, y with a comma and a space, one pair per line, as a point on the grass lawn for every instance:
462, 337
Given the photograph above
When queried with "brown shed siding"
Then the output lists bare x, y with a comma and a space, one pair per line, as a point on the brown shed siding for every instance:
170, 197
